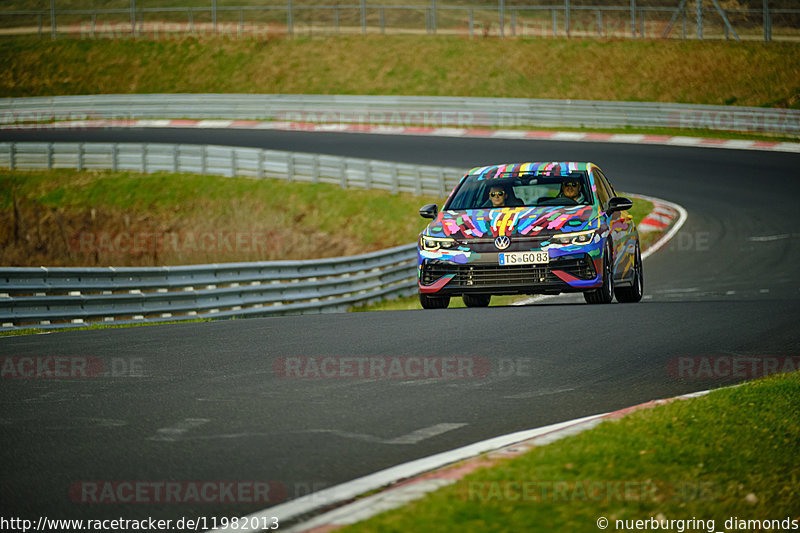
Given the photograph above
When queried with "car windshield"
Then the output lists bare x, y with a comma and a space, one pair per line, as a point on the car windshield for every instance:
518, 190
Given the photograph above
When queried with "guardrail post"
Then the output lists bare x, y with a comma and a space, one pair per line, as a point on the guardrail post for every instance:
440, 176
363, 8
114, 157
502, 9
289, 18
599, 23
336, 19
204, 160
234, 162
555, 22
368, 175
633, 19
214, 15
133, 18
315, 168
12, 159
80, 156
699, 16
471, 23
566, 17
342, 173
175, 163
144, 159
289, 167
395, 183
260, 170
767, 21
49, 156
417, 182
53, 19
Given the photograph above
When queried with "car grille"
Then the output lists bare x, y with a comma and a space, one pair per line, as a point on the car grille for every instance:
490, 275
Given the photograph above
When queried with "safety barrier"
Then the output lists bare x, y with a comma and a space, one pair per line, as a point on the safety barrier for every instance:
435, 112
64, 297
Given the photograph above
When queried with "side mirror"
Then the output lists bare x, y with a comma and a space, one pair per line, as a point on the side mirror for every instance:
428, 211
618, 203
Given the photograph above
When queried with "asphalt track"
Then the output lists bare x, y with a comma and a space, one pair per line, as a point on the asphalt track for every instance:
209, 405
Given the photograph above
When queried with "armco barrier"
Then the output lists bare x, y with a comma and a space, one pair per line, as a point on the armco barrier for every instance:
436, 112
347, 172
65, 297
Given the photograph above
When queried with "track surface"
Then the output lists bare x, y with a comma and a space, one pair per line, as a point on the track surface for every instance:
726, 285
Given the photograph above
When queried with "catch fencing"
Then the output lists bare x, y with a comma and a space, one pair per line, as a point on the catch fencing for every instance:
634, 19
65, 297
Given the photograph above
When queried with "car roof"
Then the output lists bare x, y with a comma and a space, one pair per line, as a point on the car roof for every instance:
503, 170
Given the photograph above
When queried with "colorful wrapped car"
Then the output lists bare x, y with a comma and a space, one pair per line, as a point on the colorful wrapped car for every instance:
530, 228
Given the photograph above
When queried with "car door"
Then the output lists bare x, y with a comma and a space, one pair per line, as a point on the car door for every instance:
621, 227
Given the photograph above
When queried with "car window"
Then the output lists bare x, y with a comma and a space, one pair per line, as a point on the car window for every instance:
528, 190
609, 187
603, 194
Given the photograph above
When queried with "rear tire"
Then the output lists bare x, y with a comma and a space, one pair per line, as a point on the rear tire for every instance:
633, 293
434, 302
605, 293
477, 300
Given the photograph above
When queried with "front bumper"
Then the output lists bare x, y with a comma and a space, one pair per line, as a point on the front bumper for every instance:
568, 273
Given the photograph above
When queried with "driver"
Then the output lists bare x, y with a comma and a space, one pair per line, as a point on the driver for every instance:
571, 188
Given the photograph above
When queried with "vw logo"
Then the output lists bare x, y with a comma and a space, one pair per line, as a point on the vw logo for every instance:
502, 242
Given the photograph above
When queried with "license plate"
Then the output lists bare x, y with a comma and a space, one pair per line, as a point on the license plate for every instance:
524, 258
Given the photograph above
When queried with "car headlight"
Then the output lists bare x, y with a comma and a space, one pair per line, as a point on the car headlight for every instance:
436, 243
578, 237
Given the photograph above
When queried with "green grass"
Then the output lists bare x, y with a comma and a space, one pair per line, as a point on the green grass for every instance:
300, 220
731, 453
661, 71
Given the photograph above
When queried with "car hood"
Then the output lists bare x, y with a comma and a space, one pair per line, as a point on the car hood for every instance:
512, 221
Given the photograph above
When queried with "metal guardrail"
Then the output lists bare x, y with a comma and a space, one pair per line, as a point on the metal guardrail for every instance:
68, 297
435, 112
65, 297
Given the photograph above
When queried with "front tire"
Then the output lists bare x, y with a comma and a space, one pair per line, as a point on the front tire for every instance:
605, 293
477, 300
633, 293
433, 302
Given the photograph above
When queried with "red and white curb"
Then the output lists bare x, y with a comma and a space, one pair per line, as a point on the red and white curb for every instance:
413, 480
626, 138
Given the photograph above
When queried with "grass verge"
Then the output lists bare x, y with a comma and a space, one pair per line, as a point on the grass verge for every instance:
692, 72
68, 218
729, 454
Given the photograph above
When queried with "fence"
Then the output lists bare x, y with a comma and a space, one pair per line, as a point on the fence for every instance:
565, 18
433, 112
63, 297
